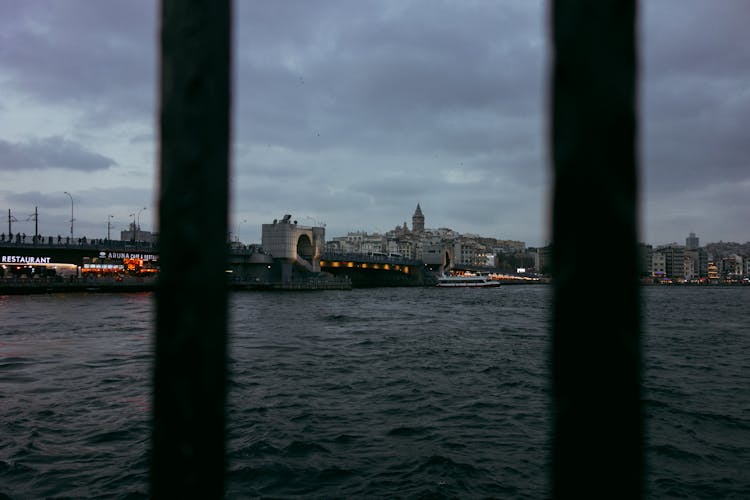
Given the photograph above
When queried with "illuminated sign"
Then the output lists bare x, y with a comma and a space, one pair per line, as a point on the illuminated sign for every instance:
126, 255
24, 259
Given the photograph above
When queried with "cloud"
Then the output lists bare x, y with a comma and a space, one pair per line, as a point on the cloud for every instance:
351, 112
711, 211
696, 95
399, 78
51, 152
356, 112
98, 58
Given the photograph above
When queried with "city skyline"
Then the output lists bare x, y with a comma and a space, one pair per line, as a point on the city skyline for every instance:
232, 236
349, 115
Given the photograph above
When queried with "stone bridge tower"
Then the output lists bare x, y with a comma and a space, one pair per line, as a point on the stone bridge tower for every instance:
294, 246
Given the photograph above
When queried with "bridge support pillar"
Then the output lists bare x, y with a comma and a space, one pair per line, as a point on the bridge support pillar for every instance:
286, 271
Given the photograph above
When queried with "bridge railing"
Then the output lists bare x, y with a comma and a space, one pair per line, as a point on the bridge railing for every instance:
93, 244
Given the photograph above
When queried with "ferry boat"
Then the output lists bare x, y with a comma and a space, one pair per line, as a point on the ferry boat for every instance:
466, 280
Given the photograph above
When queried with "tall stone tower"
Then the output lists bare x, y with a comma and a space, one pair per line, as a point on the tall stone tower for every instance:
417, 220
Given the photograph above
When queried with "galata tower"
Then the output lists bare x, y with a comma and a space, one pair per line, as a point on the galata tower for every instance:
417, 220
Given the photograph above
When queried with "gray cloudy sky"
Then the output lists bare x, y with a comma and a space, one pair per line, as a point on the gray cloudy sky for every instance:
351, 112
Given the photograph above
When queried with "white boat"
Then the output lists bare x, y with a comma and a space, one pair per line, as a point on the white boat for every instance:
466, 280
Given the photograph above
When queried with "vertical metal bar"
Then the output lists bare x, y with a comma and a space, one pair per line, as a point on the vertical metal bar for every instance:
597, 438
189, 378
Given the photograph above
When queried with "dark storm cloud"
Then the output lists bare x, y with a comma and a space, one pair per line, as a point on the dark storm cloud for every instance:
375, 78
51, 152
696, 94
95, 55
695, 37
445, 101
90, 198
412, 93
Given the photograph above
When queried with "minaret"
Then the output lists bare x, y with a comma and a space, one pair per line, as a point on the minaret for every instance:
417, 220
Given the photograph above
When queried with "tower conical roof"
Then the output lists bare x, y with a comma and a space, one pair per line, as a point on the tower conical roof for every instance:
418, 211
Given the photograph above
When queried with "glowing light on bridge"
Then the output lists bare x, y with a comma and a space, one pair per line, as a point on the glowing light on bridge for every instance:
365, 265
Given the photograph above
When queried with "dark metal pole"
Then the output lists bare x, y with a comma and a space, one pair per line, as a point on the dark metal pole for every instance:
189, 380
598, 429
71, 215
138, 222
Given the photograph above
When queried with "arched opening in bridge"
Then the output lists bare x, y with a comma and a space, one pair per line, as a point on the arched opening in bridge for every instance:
305, 248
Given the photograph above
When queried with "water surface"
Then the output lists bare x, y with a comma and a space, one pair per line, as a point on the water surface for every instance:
406, 392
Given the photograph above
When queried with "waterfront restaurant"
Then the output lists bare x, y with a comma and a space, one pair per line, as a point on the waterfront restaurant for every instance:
43, 263
29, 267
120, 263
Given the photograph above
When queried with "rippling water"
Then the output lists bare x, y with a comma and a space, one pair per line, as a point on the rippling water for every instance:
371, 393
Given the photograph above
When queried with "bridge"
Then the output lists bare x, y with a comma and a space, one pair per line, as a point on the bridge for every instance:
294, 245
290, 253
368, 270
293, 250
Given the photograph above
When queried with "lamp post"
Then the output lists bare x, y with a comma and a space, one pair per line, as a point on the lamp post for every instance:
109, 219
11, 220
132, 235
71, 215
237, 234
35, 218
138, 221
139, 217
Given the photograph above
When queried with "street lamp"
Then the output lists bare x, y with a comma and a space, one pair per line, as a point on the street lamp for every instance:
237, 234
71, 215
139, 217
109, 218
138, 222
132, 235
